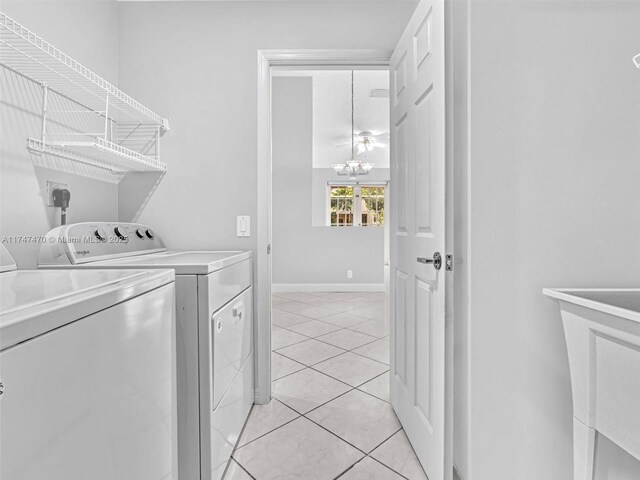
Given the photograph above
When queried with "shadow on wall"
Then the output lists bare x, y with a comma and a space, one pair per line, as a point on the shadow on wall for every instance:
65, 121
137, 188
24, 176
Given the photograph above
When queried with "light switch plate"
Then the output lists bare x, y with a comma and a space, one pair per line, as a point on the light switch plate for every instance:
243, 226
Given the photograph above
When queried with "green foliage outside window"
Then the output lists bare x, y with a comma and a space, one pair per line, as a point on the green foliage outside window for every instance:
369, 205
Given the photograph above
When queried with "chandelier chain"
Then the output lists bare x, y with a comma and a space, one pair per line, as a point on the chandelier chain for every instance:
353, 168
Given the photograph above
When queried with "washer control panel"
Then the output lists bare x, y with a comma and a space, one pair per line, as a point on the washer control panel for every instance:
93, 241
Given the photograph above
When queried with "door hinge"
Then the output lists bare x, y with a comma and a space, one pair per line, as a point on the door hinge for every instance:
268, 248
448, 262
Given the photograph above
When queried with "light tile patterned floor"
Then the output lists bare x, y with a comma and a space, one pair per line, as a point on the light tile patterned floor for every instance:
330, 417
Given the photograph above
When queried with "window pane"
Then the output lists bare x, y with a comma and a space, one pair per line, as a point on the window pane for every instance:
342, 206
372, 206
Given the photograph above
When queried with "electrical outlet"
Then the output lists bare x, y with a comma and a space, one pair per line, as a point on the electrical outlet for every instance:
51, 186
349, 273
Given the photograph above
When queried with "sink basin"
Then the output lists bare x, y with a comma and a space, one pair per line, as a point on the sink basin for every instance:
624, 303
602, 331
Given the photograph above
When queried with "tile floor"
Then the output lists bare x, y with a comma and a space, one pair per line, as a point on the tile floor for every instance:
330, 416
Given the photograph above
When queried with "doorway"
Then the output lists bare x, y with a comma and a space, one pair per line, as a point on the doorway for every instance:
330, 324
268, 63
409, 60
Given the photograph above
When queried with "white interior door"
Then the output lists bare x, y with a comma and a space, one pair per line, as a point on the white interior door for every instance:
419, 391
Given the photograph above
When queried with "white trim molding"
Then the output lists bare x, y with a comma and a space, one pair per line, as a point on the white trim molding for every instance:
327, 287
327, 58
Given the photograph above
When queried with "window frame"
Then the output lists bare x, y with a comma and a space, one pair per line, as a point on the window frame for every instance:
356, 213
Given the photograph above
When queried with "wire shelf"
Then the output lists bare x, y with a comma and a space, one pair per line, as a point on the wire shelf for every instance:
86, 121
99, 153
26, 53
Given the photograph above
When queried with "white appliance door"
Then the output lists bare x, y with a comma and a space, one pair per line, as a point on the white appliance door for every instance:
232, 366
231, 341
94, 399
418, 338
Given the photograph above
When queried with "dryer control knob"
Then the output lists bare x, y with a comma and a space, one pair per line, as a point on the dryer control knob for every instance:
120, 233
139, 233
149, 233
100, 234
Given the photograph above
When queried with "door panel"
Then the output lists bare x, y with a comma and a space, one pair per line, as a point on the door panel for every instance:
400, 325
401, 176
423, 39
400, 75
418, 360
424, 376
424, 114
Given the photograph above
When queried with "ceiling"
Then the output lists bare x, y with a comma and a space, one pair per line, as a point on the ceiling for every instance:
332, 113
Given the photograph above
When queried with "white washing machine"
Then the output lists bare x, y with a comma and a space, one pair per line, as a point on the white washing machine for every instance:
87, 372
214, 330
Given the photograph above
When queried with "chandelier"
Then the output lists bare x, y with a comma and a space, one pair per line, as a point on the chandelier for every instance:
353, 167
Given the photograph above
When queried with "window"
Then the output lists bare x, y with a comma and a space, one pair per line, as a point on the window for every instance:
356, 205
342, 206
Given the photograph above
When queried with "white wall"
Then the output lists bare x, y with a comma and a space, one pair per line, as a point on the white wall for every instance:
304, 254
553, 202
197, 63
87, 32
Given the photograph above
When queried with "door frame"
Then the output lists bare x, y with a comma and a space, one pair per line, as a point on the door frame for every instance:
457, 213
299, 58
338, 58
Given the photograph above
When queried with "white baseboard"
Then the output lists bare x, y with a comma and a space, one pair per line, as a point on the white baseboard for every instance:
327, 287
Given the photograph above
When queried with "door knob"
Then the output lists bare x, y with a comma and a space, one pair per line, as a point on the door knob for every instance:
436, 260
